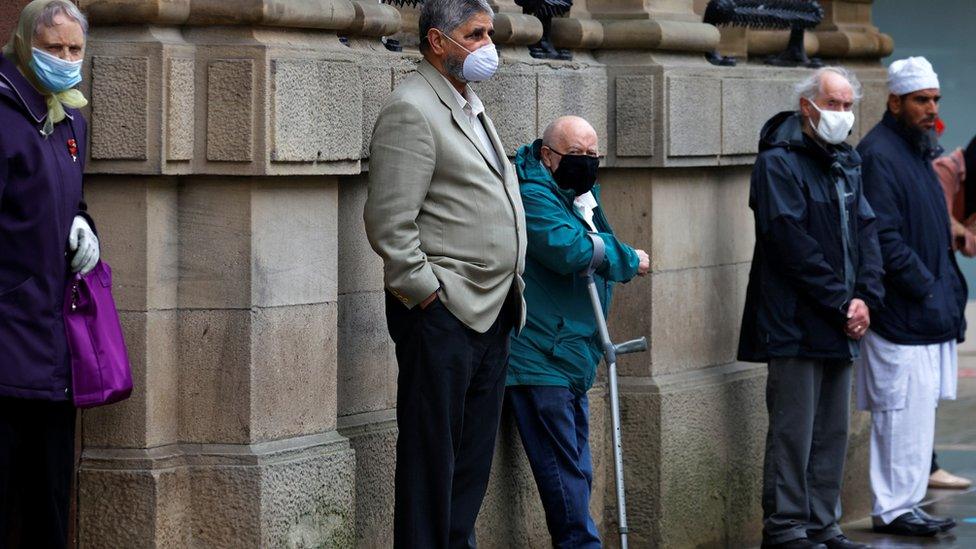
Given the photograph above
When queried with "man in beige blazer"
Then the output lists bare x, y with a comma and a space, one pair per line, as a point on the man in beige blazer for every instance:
444, 212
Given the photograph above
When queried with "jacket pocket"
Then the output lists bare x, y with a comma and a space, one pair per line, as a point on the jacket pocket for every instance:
12, 292
779, 316
574, 351
27, 335
934, 315
821, 331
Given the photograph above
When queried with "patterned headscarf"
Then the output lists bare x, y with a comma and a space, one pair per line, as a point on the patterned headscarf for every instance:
18, 50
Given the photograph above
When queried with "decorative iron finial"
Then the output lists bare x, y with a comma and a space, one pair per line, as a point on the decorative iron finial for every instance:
391, 43
402, 3
545, 10
796, 15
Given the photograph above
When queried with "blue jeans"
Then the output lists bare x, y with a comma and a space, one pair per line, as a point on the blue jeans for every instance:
554, 425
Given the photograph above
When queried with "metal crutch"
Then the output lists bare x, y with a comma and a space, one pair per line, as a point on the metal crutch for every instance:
610, 352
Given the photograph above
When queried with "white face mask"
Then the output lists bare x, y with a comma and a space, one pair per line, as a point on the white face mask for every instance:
834, 126
480, 64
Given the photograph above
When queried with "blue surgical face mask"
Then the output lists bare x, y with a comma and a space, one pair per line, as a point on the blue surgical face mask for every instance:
54, 73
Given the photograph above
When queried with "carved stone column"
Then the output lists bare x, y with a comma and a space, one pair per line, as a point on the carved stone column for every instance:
670, 25
218, 130
846, 31
512, 27
366, 364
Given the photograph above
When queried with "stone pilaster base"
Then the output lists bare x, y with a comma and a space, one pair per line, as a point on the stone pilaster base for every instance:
296, 492
693, 454
373, 436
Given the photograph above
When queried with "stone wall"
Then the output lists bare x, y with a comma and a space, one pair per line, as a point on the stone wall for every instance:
227, 172
9, 12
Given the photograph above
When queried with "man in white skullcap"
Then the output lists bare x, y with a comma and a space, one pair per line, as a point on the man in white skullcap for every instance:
909, 355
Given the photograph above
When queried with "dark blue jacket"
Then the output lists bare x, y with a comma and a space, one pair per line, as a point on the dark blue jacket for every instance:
813, 254
40, 194
925, 296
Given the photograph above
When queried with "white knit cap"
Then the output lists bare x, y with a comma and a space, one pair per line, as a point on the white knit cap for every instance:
910, 75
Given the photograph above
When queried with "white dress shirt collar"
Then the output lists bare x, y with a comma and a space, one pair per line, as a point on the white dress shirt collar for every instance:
472, 107
585, 204
470, 103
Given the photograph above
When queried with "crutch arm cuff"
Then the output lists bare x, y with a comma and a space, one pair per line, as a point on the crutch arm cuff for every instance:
599, 253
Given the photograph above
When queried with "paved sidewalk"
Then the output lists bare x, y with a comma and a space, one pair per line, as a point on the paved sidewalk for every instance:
955, 442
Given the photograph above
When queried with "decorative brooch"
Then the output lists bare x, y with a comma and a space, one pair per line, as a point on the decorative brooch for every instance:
73, 149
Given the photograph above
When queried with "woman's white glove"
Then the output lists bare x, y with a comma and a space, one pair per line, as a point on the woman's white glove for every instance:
83, 242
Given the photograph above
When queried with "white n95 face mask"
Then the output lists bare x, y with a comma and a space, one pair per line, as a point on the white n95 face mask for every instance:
480, 64
834, 126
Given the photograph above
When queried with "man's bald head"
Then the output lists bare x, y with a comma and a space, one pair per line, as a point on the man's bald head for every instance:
568, 135
568, 128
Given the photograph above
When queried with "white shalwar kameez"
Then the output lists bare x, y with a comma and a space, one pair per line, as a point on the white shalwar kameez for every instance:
901, 386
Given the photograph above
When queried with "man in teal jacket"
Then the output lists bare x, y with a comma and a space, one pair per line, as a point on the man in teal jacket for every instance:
553, 360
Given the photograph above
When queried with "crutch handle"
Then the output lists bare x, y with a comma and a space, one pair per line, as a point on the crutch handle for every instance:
632, 346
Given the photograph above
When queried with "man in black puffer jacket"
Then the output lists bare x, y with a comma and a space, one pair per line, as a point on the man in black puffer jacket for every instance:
816, 274
909, 357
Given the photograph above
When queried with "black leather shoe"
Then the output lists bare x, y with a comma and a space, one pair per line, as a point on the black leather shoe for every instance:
843, 542
908, 524
944, 524
799, 543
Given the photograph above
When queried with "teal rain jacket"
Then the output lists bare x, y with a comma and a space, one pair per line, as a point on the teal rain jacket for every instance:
559, 345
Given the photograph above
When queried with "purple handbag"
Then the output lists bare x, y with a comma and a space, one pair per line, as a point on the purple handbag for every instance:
100, 372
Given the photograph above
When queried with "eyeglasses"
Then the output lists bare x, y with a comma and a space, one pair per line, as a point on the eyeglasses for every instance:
591, 155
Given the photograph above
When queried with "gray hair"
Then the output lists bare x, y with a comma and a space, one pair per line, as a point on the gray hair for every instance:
447, 15
61, 7
812, 85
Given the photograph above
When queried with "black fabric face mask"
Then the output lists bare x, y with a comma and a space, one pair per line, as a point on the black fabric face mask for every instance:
576, 172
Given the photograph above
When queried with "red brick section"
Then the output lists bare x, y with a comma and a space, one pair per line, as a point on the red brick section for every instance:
9, 12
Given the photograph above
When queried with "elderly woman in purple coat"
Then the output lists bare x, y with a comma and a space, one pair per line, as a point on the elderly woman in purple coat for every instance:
45, 236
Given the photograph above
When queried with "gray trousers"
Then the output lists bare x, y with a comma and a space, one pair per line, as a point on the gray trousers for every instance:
808, 401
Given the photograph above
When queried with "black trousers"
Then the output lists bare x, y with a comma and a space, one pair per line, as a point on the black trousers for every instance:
37, 448
449, 395
809, 411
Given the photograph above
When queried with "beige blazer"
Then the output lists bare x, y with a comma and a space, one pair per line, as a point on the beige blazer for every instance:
437, 211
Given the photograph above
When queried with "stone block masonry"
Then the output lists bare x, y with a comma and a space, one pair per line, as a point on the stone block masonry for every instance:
227, 173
